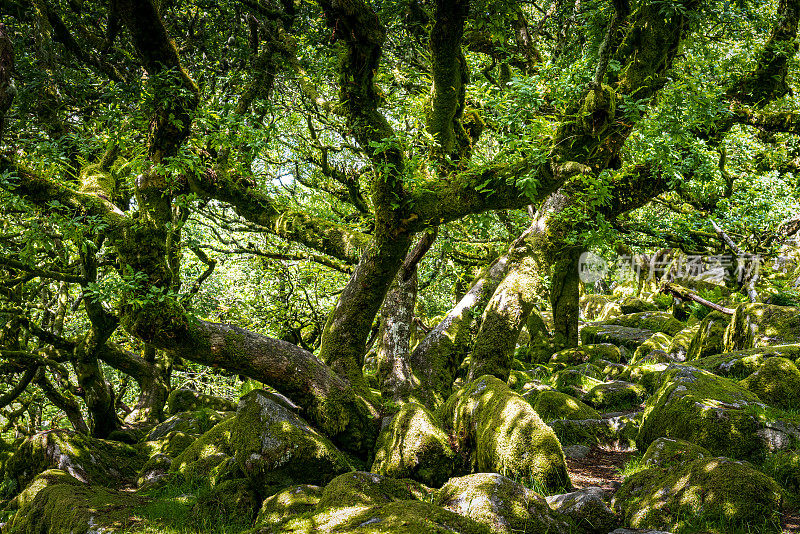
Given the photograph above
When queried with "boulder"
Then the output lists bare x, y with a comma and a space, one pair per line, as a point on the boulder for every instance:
621, 336
762, 325
187, 400
713, 490
586, 353
555, 405
709, 337
615, 395
500, 503
592, 305
414, 445
235, 498
655, 321
776, 382
654, 350
631, 305
207, 452
55, 501
154, 471
172, 444
506, 433
678, 350
88, 459
289, 502
665, 452
576, 380
705, 409
618, 432
587, 509
196, 422
647, 375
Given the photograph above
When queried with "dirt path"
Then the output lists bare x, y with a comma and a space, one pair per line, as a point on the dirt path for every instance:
598, 468
790, 522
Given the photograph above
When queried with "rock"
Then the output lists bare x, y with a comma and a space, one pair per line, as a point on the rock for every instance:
154, 471
586, 353
555, 405
592, 305
778, 435
186, 400
632, 305
709, 337
587, 508
55, 501
276, 448
655, 321
414, 445
173, 444
292, 501
196, 422
705, 409
500, 503
576, 451
647, 375
576, 380
619, 431
665, 452
518, 379
678, 350
711, 489
615, 395
621, 336
208, 451
776, 382
236, 498
508, 435
654, 350
87, 459
610, 369
762, 325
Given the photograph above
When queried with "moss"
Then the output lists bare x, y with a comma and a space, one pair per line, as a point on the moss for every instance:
587, 353
57, 502
776, 382
414, 445
678, 349
705, 409
276, 447
186, 400
617, 395
592, 305
153, 470
709, 337
784, 467
231, 498
518, 379
87, 459
742, 363
578, 379
621, 336
587, 509
654, 321
761, 325
716, 490
555, 405
292, 501
500, 503
616, 432
665, 452
509, 437
209, 450
196, 422
654, 349
647, 375
631, 305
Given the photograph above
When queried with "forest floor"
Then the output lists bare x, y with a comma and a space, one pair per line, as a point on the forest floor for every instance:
601, 467
790, 522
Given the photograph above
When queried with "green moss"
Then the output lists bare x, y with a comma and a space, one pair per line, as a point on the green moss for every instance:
587, 353
617, 432
186, 400
209, 450
647, 375
578, 379
156, 465
654, 321
289, 502
231, 498
414, 445
655, 349
665, 452
555, 405
761, 325
784, 467
678, 349
509, 437
621, 336
742, 363
500, 503
615, 395
592, 305
705, 409
708, 490
776, 382
518, 379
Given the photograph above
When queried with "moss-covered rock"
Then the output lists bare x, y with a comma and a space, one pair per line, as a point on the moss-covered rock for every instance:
655, 321
289, 502
709, 337
621, 336
586, 353
414, 445
55, 501
618, 432
587, 509
555, 405
172, 444
654, 350
517, 379
208, 451
719, 491
500, 503
704, 409
576, 380
186, 400
277, 448
647, 375
632, 305
88, 459
665, 452
592, 305
154, 471
762, 325
776, 382
508, 435
678, 350
232, 498
784, 467
615, 395
742, 363
196, 422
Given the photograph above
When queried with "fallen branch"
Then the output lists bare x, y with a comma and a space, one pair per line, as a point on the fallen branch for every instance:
684, 294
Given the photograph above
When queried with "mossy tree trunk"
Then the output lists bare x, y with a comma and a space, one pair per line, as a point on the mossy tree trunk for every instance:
565, 299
